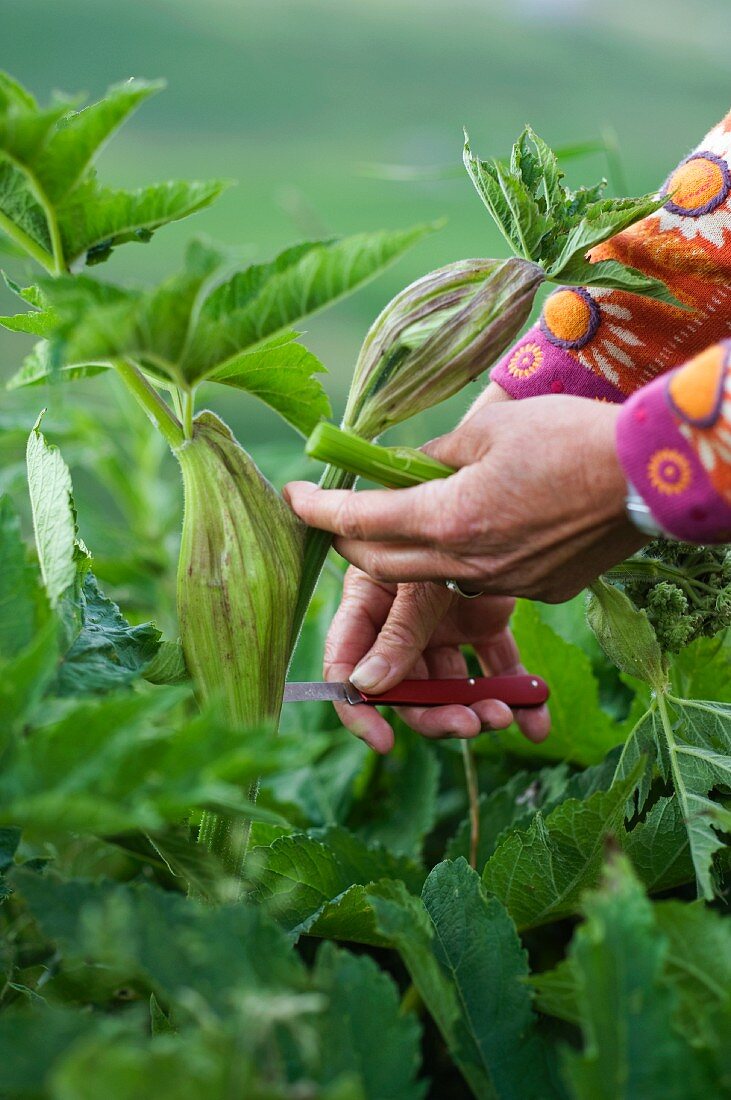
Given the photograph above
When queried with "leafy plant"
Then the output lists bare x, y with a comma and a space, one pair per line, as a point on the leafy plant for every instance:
551, 969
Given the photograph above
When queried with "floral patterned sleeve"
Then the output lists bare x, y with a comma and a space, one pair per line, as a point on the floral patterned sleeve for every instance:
607, 344
674, 442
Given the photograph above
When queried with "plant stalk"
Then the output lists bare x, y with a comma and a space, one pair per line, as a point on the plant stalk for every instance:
147, 396
394, 467
473, 797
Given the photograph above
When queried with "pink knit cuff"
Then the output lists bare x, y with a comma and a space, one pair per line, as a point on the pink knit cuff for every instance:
665, 470
535, 367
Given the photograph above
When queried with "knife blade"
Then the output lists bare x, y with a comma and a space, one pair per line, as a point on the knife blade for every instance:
516, 691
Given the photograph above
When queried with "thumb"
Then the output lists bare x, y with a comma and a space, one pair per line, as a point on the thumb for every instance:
416, 612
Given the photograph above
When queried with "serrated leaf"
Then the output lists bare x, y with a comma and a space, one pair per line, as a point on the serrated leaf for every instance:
107, 653
128, 762
581, 731
54, 206
19, 589
268, 299
299, 878
54, 523
616, 276
93, 220
659, 849
82, 134
362, 1030
403, 792
280, 374
631, 1048
598, 224
177, 946
465, 959
690, 743
540, 873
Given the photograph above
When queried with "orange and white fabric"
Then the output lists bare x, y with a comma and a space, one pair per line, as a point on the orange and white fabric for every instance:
675, 435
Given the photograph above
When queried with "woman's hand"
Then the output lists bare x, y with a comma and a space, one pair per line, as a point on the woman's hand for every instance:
536, 507
385, 632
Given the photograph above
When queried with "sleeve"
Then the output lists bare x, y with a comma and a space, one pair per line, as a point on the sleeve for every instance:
674, 444
606, 344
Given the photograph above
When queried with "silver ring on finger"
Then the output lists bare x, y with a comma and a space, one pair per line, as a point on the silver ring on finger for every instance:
466, 594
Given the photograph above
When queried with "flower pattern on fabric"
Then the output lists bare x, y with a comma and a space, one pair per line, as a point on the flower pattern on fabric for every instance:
525, 360
621, 340
674, 442
668, 471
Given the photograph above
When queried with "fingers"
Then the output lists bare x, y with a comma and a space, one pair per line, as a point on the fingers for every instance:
416, 611
405, 564
391, 515
500, 657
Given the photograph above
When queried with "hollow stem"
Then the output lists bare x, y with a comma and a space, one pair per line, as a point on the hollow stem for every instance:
394, 467
147, 396
473, 797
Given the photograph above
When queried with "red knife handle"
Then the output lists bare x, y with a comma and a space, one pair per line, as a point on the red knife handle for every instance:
516, 691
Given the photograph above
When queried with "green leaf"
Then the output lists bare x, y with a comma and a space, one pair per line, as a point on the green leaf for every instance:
107, 653
690, 743
541, 872
465, 959
179, 948
402, 797
19, 589
631, 1047
50, 200
193, 326
267, 299
624, 633
54, 522
300, 878
659, 849
581, 731
616, 276
698, 967
128, 762
93, 220
76, 141
167, 666
362, 1030
280, 374
546, 222
599, 222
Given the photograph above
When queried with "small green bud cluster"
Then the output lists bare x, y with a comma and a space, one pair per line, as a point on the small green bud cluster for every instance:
685, 590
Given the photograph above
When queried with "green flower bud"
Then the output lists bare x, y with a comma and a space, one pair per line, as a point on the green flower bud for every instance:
239, 572
436, 336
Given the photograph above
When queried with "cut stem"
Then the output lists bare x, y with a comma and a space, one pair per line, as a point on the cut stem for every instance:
394, 467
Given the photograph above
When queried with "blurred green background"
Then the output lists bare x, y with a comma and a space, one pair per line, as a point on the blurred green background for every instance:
304, 102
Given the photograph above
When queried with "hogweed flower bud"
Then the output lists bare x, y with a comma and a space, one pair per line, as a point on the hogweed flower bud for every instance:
437, 335
238, 578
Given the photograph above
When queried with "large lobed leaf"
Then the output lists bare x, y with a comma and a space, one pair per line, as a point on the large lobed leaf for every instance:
205, 324
689, 742
465, 959
233, 1009
627, 1000
51, 203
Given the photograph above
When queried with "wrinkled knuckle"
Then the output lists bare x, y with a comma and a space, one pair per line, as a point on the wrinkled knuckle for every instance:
377, 567
349, 521
396, 635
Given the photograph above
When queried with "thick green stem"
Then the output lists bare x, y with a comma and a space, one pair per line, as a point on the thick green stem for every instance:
394, 467
158, 410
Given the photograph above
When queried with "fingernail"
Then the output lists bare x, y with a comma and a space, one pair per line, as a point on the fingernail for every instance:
368, 674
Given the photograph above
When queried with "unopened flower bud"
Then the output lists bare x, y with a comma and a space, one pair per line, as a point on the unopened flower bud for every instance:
436, 336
